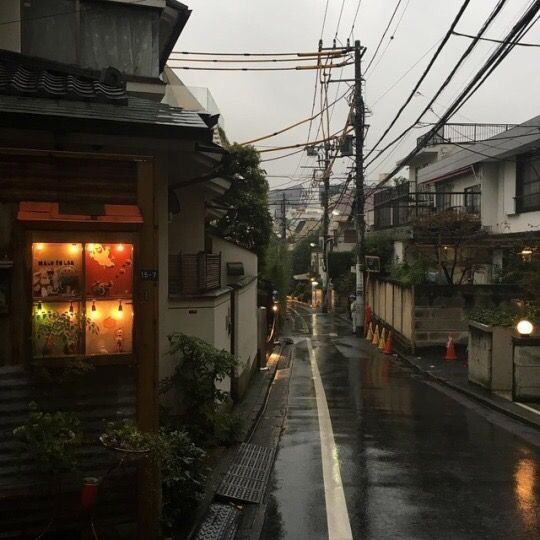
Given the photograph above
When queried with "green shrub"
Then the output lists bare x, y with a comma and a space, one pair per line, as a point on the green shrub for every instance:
52, 440
504, 315
198, 370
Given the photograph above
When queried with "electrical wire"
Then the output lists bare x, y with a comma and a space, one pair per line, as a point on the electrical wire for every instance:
303, 145
282, 157
391, 38
354, 18
339, 18
497, 40
324, 18
295, 68
445, 39
454, 70
526, 21
384, 35
253, 60
296, 124
333, 52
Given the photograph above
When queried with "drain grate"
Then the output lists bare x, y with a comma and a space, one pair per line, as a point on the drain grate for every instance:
221, 523
248, 474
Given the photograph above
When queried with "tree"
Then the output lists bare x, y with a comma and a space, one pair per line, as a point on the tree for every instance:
301, 254
247, 221
450, 241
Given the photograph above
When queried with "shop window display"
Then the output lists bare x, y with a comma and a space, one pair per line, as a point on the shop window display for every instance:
82, 299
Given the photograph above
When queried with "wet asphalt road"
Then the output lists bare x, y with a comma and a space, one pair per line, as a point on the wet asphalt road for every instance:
414, 462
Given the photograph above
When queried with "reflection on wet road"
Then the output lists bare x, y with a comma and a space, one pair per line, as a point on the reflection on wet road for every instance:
414, 462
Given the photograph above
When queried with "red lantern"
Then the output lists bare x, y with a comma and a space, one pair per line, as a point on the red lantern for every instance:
89, 492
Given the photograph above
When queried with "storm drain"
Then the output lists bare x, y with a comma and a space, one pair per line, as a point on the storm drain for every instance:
221, 523
248, 474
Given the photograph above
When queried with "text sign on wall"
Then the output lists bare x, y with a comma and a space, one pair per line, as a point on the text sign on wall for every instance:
149, 275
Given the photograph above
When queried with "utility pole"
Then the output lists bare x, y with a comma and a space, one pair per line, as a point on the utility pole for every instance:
326, 217
283, 219
359, 126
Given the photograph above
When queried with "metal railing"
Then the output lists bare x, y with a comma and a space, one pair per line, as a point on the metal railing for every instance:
397, 206
463, 133
194, 273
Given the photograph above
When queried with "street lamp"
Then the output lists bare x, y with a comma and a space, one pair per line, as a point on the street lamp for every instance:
312, 244
525, 327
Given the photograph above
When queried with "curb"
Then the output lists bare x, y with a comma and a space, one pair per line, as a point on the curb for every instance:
261, 405
470, 394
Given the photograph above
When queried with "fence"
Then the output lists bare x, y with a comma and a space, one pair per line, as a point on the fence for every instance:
463, 133
194, 273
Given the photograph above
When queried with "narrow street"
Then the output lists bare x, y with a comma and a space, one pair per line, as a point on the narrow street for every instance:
370, 449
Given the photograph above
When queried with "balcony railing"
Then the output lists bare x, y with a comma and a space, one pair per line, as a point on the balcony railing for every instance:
194, 273
463, 133
398, 206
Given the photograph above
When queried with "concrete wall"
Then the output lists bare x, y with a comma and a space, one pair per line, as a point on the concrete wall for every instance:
245, 335
232, 253
10, 35
526, 373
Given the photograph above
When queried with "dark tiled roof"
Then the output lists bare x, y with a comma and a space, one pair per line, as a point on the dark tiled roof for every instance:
104, 117
27, 76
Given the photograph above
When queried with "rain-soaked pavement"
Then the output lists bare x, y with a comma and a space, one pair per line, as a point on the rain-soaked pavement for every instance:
412, 461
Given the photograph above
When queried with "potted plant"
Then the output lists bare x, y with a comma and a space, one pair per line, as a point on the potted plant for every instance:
55, 330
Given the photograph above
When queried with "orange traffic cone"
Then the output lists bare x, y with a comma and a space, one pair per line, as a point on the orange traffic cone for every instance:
382, 340
450, 350
375, 340
388, 345
369, 335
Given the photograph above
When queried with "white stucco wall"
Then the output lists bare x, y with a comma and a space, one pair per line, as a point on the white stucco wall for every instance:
246, 335
232, 253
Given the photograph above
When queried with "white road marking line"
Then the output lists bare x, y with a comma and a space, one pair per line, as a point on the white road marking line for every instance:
337, 515
536, 411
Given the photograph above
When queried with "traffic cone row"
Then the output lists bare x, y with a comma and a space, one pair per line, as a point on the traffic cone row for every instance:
382, 340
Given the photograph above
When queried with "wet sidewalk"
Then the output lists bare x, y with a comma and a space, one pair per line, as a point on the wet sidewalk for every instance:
455, 375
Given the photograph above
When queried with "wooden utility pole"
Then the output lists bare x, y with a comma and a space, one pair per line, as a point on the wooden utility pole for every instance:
359, 125
283, 219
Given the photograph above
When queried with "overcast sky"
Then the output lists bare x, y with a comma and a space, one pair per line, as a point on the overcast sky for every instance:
258, 103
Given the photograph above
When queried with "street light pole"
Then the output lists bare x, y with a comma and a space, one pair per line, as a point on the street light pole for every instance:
359, 124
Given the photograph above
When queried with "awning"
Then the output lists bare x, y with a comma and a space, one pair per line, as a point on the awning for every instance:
79, 213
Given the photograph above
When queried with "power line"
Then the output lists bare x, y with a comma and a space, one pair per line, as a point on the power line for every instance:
424, 74
497, 40
303, 145
295, 68
355, 17
324, 18
524, 24
296, 124
339, 19
253, 60
333, 52
282, 157
465, 55
391, 38
384, 35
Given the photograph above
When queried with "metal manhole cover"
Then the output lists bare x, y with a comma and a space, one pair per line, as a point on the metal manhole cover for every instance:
248, 474
221, 523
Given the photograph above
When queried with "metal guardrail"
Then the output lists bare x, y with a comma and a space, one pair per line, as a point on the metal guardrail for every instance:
397, 205
463, 133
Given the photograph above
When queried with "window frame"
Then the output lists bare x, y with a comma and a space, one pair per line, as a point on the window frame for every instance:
523, 161
473, 194
82, 237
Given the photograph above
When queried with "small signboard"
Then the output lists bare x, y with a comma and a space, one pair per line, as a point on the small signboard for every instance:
372, 263
149, 275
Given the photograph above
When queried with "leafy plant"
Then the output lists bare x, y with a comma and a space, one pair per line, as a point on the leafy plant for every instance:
51, 439
504, 315
64, 329
183, 475
198, 370
123, 435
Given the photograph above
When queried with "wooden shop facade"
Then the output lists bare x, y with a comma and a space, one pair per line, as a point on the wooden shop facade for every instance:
84, 176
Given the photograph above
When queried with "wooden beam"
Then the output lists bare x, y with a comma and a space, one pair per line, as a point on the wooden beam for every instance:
147, 346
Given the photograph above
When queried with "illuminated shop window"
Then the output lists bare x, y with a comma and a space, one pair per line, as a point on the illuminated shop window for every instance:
82, 299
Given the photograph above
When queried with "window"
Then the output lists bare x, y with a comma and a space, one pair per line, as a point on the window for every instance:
82, 299
472, 199
528, 183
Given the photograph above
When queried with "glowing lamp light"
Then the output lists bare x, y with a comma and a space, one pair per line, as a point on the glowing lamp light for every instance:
120, 247
274, 308
525, 327
312, 244
40, 247
335, 212
73, 248
314, 283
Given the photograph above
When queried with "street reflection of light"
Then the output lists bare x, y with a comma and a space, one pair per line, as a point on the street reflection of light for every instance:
524, 478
